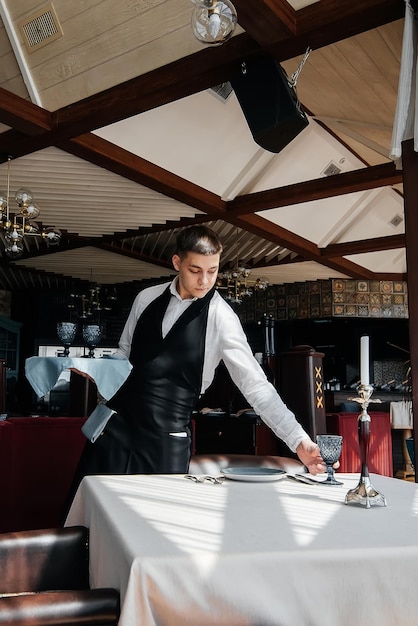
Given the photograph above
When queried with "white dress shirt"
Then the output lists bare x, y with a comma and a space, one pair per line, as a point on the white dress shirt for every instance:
225, 340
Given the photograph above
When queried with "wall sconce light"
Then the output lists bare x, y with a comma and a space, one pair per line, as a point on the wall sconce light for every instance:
213, 21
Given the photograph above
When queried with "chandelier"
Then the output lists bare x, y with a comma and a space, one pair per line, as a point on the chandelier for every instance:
213, 21
93, 304
14, 227
236, 284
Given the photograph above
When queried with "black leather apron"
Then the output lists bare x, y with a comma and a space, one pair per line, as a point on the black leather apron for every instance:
157, 398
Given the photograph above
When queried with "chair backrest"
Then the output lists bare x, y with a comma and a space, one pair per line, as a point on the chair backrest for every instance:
214, 463
38, 458
41, 560
84, 607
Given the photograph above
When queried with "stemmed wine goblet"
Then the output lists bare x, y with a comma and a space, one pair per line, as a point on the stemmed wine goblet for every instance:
92, 334
330, 448
66, 332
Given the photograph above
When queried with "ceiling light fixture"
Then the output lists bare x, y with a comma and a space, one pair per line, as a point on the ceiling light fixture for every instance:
15, 226
92, 305
237, 285
213, 21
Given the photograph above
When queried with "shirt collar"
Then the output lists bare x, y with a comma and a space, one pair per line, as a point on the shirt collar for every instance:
175, 293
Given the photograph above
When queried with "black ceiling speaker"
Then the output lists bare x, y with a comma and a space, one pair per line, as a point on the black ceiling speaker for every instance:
269, 103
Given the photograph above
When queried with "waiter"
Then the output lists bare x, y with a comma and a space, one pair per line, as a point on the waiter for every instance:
175, 336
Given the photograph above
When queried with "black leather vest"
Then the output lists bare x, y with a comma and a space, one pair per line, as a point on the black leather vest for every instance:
165, 382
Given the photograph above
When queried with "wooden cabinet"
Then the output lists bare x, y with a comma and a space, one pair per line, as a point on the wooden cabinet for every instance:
226, 434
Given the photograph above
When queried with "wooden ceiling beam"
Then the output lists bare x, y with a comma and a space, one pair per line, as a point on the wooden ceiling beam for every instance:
317, 189
286, 33
23, 115
107, 155
20, 144
366, 245
174, 81
308, 250
267, 22
335, 21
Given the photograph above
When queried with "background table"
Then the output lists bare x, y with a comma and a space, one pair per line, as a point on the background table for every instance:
240, 553
108, 374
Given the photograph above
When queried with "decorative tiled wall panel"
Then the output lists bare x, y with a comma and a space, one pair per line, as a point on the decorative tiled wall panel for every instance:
328, 298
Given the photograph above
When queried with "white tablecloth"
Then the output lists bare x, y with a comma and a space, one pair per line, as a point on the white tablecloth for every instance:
241, 553
108, 374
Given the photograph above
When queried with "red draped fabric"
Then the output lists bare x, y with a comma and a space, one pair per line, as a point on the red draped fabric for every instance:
380, 447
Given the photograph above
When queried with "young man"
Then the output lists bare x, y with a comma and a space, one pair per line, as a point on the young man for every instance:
175, 336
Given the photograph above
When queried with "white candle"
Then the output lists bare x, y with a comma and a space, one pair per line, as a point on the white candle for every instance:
364, 360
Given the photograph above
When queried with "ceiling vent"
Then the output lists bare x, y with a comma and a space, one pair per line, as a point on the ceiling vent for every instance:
40, 28
331, 169
396, 220
222, 91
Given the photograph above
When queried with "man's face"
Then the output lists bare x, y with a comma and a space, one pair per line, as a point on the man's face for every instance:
197, 274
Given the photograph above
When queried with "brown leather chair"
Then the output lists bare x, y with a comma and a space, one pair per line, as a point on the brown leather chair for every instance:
214, 463
44, 581
38, 458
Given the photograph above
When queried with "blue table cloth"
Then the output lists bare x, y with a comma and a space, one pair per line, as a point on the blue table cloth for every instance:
108, 373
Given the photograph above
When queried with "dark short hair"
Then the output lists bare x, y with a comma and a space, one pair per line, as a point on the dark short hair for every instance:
199, 239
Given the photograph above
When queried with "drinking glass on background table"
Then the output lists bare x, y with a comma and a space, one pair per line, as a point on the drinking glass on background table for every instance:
330, 447
66, 332
92, 334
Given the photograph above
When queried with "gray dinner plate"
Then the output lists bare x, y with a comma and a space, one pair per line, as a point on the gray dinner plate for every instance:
253, 474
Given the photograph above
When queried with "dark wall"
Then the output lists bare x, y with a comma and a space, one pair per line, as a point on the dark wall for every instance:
339, 339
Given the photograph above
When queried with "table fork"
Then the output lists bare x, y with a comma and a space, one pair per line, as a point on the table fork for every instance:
202, 478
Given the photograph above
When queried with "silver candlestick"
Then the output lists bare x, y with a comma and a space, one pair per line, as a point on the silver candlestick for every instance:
364, 493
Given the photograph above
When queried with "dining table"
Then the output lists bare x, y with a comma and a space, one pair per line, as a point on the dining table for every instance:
252, 550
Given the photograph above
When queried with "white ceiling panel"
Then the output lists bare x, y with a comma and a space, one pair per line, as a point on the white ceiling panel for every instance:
386, 261
96, 265
295, 272
85, 199
200, 138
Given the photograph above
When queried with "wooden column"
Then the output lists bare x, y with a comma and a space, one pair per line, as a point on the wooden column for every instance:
302, 387
410, 185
